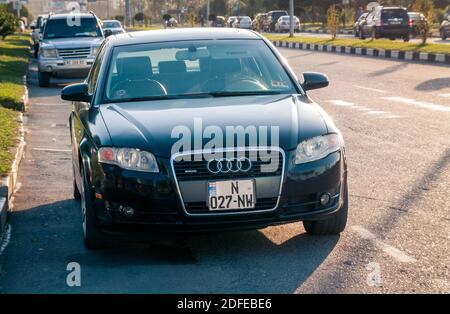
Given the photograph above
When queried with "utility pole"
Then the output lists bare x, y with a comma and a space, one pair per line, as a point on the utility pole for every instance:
128, 13
291, 18
207, 12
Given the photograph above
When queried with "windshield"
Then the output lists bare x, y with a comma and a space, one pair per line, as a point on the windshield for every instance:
205, 68
63, 28
394, 14
112, 24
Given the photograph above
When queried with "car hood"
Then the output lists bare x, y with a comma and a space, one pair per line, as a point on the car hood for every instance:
73, 42
156, 126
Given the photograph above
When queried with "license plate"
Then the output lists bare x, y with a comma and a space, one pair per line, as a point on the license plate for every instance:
74, 62
231, 195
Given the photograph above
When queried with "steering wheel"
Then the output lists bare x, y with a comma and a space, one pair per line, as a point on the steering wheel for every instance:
242, 83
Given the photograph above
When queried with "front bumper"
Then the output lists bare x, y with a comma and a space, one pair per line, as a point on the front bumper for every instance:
58, 66
158, 206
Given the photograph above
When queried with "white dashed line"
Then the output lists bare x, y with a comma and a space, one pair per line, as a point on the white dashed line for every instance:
371, 89
341, 103
446, 95
6, 239
43, 149
417, 103
376, 112
386, 248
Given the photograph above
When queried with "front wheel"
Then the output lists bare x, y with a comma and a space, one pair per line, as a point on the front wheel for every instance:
406, 38
94, 239
44, 79
334, 224
443, 35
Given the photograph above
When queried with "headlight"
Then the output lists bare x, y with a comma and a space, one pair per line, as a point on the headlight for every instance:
317, 148
48, 52
94, 51
129, 158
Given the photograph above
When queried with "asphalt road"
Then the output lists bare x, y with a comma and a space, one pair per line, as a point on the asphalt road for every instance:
395, 117
434, 40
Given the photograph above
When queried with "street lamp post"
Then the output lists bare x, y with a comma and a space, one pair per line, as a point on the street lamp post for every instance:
207, 12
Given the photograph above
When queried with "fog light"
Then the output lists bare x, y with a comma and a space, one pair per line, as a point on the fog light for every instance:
49, 68
325, 199
127, 211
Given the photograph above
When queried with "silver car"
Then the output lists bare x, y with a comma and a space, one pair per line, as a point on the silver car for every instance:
243, 22
113, 27
284, 24
69, 45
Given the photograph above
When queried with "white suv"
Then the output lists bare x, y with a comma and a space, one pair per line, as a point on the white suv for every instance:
69, 45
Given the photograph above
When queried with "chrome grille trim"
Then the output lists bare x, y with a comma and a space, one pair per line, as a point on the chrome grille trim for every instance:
224, 150
74, 53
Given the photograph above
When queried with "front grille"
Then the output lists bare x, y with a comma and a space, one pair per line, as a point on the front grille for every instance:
191, 170
74, 53
201, 207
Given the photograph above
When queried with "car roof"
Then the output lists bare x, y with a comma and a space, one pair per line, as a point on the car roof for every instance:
181, 34
65, 15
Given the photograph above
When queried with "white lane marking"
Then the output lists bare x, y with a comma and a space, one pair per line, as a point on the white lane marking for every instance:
386, 248
341, 103
364, 109
393, 116
44, 149
371, 89
376, 112
6, 239
417, 103
446, 95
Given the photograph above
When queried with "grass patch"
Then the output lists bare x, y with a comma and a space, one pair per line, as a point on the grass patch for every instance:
13, 66
9, 126
368, 43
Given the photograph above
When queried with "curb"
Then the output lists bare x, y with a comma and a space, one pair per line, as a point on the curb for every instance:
8, 183
347, 32
438, 58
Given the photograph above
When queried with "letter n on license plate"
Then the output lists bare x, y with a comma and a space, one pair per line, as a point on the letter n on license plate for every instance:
231, 195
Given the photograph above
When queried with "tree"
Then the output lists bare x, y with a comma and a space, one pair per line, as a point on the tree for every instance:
333, 18
8, 23
425, 7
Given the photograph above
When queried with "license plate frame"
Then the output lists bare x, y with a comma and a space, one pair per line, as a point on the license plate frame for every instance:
223, 195
75, 62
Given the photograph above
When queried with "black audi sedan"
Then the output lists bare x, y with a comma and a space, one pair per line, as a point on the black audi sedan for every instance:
202, 130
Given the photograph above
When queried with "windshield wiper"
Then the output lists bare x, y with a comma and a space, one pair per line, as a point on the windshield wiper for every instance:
249, 93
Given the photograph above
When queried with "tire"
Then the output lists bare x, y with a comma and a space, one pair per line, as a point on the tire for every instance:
361, 35
76, 192
44, 79
36, 51
406, 38
443, 35
94, 239
333, 224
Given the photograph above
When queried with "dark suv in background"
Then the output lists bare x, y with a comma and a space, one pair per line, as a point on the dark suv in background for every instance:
444, 29
386, 22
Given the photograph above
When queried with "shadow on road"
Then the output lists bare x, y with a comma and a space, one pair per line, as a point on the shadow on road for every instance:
434, 84
389, 70
240, 261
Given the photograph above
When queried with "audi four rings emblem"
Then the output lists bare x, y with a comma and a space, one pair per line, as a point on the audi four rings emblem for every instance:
226, 165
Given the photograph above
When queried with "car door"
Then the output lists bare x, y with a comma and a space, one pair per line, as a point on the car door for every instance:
80, 111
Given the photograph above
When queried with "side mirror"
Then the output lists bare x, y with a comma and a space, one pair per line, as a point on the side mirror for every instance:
313, 80
32, 27
76, 92
107, 32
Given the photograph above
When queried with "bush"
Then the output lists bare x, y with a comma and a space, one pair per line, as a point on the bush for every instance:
333, 18
8, 23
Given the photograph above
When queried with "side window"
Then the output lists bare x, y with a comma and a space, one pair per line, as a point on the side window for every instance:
93, 75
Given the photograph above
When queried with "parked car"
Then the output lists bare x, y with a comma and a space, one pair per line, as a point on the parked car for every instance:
112, 26
414, 19
231, 21
444, 29
36, 34
258, 21
357, 25
68, 49
131, 174
284, 24
386, 22
244, 22
272, 18
219, 21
